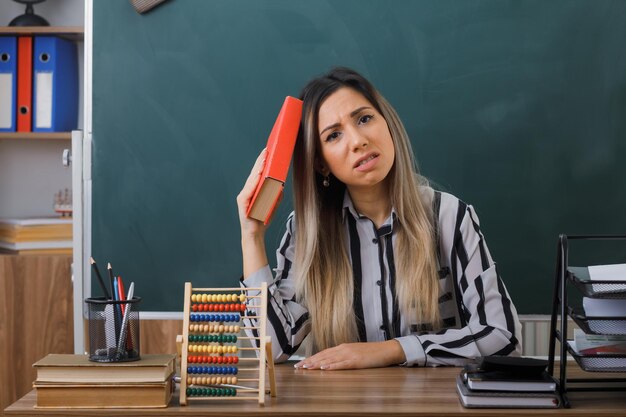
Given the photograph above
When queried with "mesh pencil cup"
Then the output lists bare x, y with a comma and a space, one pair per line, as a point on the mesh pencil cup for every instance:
113, 329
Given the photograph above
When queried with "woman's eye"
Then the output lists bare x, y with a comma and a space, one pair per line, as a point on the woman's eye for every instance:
366, 118
332, 136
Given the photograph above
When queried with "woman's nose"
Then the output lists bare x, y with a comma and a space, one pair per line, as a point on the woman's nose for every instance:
357, 139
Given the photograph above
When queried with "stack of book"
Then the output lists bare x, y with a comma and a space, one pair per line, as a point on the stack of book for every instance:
503, 382
36, 236
72, 381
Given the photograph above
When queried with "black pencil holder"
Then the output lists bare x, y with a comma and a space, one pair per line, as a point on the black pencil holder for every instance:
113, 329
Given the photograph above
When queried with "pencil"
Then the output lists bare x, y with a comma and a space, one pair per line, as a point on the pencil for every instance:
116, 307
100, 280
123, 333
112, 281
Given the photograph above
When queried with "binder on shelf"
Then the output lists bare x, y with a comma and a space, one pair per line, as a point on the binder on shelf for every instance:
55, 85
8, 82
24, 83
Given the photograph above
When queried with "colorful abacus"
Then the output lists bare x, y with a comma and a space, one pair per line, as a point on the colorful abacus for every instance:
210, 354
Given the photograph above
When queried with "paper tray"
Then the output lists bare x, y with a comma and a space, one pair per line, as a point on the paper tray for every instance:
598, 363
595, 289
598, 325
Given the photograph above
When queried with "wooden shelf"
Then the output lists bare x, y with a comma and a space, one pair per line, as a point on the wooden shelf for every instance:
75, 33
36, 135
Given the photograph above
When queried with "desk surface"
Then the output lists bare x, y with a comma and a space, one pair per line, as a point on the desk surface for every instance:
422, 391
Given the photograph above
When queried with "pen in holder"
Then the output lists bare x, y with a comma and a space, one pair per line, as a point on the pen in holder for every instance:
113, 329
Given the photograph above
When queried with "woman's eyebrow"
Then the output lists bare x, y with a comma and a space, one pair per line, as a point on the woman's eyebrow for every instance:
352, 114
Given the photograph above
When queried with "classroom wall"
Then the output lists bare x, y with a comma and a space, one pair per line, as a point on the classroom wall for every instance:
517, 107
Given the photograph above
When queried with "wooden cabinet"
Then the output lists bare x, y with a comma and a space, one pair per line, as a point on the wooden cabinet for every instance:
36, 317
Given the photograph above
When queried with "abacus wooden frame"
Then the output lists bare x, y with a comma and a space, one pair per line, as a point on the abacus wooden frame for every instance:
265, 346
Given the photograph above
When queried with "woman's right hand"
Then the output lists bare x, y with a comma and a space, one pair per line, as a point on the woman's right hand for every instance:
252, 231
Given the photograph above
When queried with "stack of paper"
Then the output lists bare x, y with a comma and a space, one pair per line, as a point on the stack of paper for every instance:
597, 344
46, 235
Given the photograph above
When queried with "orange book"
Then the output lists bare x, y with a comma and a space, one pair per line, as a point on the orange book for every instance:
280, 147
24, 83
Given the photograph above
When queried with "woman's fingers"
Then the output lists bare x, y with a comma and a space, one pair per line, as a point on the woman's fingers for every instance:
253, 179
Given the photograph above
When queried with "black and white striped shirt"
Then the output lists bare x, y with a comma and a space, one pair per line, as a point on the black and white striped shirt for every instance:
477, 313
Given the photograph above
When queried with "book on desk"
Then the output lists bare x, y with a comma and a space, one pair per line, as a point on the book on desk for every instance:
72, 381
507, 382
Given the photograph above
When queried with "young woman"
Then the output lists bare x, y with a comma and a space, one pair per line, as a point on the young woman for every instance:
375, 267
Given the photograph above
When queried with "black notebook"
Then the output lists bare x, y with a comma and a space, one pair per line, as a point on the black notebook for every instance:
504, 399
501, 381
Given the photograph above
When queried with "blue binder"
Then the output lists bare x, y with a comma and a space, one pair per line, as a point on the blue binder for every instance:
8, 83
55, 85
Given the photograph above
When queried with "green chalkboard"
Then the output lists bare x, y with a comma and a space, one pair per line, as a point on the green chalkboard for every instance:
517, 107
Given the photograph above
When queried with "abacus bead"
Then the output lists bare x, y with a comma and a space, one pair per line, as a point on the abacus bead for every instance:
203, 298
221, 328
236, 330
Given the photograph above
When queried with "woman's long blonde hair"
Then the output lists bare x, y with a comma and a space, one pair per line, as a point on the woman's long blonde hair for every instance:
323, 272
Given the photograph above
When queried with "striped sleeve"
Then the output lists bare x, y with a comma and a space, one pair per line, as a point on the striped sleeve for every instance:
489, 321
287, 321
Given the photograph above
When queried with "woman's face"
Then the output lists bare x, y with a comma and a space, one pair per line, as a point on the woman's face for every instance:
356, 144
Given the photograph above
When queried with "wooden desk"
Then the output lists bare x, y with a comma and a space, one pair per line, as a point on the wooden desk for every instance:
421, 391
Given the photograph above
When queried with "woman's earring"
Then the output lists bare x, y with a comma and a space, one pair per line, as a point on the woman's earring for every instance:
326, 182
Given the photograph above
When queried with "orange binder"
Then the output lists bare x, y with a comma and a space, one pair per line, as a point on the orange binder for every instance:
280, 145
24, 83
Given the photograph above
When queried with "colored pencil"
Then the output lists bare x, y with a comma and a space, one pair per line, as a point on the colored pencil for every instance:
100, 280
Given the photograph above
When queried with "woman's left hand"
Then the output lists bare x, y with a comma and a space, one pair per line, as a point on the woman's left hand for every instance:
356, 356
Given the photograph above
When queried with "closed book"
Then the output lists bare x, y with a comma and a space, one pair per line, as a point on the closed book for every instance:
16, 230
505, 399
36, 245
140, 395
78, 369
502, 381
280, 145
59, 251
